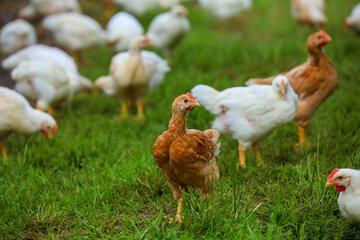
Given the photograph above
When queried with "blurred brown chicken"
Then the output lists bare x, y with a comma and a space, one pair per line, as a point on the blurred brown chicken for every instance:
187, 157
313, 81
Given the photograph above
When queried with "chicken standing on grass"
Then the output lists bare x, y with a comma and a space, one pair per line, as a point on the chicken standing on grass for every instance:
225, 9
121, 30
168, 29
347, 182
18, 116
16, 35
314, 81
353, 21
132, 75
310, 12
187, 157
249, 113
74, 32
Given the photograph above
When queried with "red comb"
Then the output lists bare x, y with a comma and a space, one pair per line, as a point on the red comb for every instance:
333, 172
190, 96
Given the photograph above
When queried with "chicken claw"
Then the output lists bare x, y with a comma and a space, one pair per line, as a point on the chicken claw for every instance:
242, 156
303, 142
3, 151
124, 110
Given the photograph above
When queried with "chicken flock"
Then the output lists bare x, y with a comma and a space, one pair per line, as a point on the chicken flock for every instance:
48, 77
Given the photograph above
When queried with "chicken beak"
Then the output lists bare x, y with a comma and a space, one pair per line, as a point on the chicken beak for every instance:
196, 103
328, 184
282, 88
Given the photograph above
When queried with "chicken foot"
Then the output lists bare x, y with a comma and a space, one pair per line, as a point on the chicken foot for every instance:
3, 150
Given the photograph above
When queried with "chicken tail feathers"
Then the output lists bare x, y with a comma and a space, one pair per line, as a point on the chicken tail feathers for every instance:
207, 97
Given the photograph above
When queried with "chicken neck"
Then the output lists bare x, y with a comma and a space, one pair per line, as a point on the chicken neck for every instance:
316, 55
177, 124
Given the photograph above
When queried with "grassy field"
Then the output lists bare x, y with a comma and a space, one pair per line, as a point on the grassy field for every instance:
98, 179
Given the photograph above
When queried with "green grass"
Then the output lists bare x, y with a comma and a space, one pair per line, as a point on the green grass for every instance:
98, 179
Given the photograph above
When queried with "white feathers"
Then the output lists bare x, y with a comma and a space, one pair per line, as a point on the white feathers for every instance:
17, 115
354, 19
74, 31
122, 29
16, 35
155, 67
309, 11
225, 9
48, 7
167, 29
249, 113
45, 74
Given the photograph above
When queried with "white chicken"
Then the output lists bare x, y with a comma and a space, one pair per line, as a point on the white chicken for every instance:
353, 21
168, 3
249, 113
347, 182
16, 35
225, 9
133, 74
18, 116
74, 32
137, 7
168, 29
48, 55
44, 82
121, 30
309, 12
40, 8
106, 84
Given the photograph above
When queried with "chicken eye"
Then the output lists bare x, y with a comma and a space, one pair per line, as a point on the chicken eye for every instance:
340, 177
186, 101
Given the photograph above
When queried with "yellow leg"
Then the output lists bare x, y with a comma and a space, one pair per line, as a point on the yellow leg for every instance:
51, 111
242, 156
110, 9
179, 211
140, 110
124, 110
302, 136
3, 151
258, 156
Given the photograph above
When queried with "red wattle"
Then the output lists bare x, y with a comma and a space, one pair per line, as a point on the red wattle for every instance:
339, 188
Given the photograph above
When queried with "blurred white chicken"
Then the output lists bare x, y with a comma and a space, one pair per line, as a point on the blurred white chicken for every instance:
309, 12
168, 29
48, 55
18, 116
132, 75
168, 3
137, 7
225, 9
74, 32
121, 30
40, 8
353, 21
347, 182
249, 113
16, 35
47, 83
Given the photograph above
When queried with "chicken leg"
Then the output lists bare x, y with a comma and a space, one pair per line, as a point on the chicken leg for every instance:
3, 150
179, 211
110, 9
302, 137
242, 156
51, 111
258, 156
124, 110
140, 110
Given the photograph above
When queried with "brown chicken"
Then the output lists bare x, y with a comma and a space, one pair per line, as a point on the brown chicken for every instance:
314, 81
187, 157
